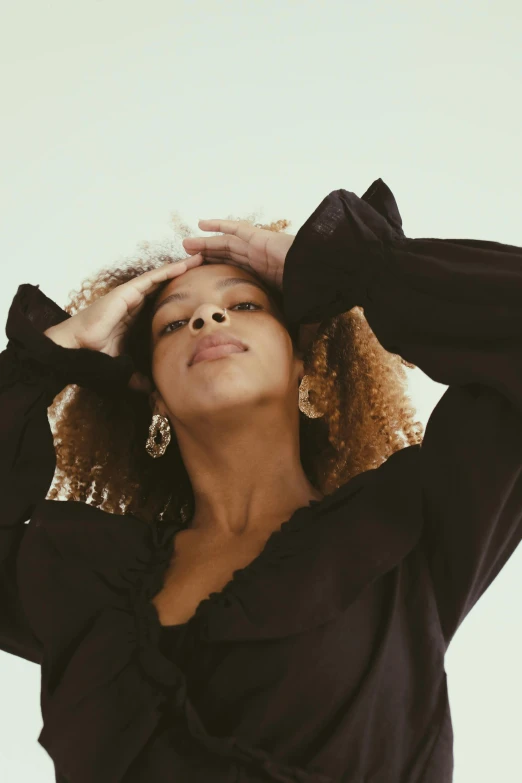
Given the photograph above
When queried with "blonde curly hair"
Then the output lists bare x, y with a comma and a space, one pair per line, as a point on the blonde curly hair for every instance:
357, 385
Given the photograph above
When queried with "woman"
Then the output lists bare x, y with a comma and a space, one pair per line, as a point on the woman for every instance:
233, 591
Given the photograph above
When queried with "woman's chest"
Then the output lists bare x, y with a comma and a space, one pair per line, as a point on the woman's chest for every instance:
200, 566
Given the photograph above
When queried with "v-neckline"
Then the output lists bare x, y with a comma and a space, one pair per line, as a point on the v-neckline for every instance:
165, 541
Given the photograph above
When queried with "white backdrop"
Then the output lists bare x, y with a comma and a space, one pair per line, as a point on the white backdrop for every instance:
117, 114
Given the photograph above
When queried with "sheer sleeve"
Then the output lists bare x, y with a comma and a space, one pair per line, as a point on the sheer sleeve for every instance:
452, 307
33, 369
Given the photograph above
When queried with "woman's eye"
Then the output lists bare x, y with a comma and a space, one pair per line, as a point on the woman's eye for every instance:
166, 329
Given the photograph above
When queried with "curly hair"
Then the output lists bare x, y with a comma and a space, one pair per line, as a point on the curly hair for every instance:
358, 386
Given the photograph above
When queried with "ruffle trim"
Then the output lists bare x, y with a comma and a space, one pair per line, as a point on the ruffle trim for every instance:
296, 534
349, 235
150, 579
277, 548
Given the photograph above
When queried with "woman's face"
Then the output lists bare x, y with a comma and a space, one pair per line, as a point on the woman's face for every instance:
266, 372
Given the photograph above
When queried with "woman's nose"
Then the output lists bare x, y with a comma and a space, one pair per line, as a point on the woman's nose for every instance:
206, 313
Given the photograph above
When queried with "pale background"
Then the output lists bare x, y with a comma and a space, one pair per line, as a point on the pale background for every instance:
117, 114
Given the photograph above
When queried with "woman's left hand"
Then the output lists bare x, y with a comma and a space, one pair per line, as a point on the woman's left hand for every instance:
244, 245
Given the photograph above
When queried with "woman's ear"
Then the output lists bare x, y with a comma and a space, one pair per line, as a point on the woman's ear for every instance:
298, 354
307, 333
139, 382
154, 401
157, 405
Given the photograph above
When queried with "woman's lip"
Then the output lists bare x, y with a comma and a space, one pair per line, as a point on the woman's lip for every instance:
217, 351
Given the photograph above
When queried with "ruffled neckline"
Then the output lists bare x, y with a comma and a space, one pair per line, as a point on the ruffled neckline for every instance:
212, 617
163, 539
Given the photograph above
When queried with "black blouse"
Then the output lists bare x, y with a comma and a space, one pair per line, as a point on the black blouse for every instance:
322, 661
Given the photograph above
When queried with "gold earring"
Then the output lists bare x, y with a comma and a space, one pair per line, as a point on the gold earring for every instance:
159, 424
305, 406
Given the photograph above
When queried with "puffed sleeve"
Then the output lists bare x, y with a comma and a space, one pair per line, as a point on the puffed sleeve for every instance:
33, 369
452, 307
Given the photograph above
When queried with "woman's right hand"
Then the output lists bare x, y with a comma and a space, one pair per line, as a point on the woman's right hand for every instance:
102, 325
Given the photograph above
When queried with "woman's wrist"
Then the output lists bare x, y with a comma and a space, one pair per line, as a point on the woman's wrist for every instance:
61, 335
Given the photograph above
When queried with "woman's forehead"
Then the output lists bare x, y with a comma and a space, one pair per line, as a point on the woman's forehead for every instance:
205, 274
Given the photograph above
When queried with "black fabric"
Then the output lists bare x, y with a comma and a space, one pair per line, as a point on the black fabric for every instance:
322, 661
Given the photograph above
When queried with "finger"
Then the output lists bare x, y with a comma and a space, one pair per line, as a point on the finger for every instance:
193, 260
223, 246
149, 281
224, 255
240, 228
136, 290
